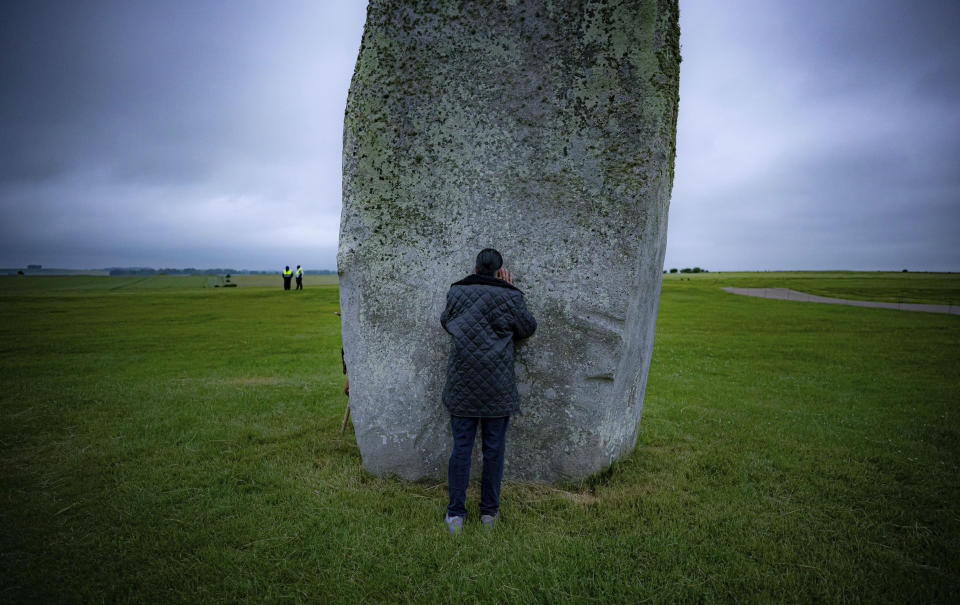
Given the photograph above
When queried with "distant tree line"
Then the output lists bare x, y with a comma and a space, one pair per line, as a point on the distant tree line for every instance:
688, 270
194, 271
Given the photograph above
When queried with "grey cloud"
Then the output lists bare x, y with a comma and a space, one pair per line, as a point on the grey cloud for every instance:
837, 123
812, 134
156, 130
161, 166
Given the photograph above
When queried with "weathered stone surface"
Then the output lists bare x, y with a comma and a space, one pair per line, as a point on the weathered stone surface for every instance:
545, 130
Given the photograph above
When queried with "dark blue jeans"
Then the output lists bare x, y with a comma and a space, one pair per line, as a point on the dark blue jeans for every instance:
493, 433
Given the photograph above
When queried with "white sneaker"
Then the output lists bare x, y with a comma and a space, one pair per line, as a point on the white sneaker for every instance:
454, 524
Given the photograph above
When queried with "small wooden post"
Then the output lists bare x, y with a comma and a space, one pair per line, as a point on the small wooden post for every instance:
346, 416
346, 389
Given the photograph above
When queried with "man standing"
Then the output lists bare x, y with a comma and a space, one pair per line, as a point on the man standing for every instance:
299, 278
485, 313
287, 275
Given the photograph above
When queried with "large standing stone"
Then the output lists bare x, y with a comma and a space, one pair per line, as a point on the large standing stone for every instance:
545, 129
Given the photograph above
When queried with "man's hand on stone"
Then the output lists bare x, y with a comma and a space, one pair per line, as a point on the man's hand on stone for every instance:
504, 274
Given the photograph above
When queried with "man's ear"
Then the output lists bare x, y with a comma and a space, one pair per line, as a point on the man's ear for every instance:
475, 269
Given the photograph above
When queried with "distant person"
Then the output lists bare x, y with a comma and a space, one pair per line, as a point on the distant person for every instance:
299, 278
485, 313
287, 276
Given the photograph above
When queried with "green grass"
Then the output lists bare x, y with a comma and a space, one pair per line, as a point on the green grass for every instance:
51, 284
182, 445
74, 284
275, 281
933, 288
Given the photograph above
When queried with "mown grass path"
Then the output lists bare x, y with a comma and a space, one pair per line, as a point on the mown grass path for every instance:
931, 288
788, 294
182, 445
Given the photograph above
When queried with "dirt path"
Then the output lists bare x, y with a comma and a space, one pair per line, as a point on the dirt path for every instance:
788, 294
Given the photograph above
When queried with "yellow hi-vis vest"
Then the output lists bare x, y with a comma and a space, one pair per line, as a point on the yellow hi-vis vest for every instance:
287, 272
299, 272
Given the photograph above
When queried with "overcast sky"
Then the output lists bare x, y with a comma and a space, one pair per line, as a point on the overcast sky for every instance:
812, 135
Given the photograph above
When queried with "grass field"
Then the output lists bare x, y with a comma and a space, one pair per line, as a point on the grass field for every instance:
181, 444
933, 288
75, 284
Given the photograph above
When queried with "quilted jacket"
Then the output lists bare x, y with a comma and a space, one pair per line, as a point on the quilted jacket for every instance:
484, 315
